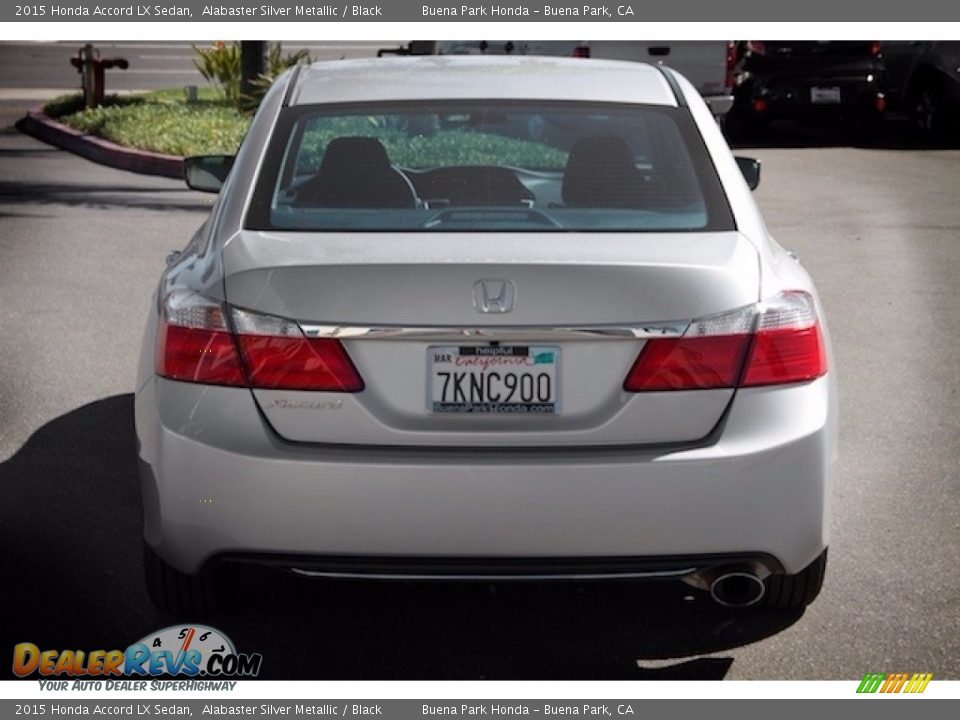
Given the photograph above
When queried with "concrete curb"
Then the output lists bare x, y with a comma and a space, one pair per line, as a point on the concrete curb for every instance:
45, 128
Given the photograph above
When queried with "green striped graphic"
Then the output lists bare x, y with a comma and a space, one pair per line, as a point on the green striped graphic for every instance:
871, 682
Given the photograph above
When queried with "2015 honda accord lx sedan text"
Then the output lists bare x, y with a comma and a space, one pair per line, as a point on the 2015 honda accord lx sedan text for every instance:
486, 318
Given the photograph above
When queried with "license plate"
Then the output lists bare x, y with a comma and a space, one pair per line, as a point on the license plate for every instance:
825, 95
500, 379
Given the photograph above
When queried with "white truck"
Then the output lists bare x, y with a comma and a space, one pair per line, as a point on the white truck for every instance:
708, 64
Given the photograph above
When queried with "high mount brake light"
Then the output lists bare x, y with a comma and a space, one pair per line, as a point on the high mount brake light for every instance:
771, 343
195, 344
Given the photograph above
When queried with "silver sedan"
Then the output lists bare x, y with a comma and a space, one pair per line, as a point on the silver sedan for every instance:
486, 318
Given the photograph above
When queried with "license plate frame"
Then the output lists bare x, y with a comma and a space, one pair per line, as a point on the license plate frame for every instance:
483, 361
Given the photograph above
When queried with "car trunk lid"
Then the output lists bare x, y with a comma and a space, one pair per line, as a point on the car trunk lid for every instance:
395, 300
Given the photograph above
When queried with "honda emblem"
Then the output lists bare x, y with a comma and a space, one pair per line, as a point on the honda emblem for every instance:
494, 296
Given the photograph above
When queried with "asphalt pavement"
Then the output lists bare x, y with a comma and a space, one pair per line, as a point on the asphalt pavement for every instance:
82, 246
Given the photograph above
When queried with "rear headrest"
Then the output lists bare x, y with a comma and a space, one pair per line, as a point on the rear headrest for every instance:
344, 153
356, 173
601, 172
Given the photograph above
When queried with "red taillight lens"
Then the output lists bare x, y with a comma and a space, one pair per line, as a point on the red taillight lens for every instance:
581, 51
785, 356
194, 344
876, 47
298, 364
757, 47
277, 355
197, 355
775, 343
697, 363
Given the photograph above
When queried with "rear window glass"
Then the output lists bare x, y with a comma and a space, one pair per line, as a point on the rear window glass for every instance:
490, 166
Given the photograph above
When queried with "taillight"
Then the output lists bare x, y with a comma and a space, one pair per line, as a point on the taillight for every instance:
787, 345
195, 344
876, 47
581, 51
772, 343
757, 47
277, 355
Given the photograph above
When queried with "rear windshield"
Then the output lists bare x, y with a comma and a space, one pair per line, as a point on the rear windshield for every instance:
488, 166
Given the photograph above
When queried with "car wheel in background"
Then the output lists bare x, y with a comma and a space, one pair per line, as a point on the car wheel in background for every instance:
930, 111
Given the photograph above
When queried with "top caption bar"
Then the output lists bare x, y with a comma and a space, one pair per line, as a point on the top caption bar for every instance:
506, 11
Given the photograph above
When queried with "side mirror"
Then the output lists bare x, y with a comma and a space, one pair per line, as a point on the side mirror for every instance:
207, 173
750, 168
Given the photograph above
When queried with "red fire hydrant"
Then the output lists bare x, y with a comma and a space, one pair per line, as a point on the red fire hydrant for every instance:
91, 68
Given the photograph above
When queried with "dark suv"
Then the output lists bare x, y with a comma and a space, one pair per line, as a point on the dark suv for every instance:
924, 80
808, 79
861, 81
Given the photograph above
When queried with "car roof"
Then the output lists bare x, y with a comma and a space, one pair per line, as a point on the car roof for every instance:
471, 78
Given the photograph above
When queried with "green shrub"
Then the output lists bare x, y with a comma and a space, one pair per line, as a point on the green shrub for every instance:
72, 103
172, 128
220, 65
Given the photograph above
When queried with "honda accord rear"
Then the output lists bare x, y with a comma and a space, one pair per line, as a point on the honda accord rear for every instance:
487, 319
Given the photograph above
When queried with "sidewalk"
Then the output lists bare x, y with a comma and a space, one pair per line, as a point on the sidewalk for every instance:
33, 94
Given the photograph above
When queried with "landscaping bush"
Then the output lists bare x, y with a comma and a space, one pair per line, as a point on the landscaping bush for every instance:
162, 122
221, 65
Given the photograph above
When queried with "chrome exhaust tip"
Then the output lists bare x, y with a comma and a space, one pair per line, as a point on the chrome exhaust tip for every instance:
737, 589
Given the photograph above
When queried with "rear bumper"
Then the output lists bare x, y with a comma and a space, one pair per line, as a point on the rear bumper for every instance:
794, 96
217, 482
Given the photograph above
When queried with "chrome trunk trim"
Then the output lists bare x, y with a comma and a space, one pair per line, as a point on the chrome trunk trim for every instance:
535, 333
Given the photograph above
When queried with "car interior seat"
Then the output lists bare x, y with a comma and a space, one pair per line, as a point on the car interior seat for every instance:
356, 173
601, 172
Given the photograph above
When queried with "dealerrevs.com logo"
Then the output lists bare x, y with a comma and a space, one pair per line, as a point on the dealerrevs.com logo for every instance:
183, 650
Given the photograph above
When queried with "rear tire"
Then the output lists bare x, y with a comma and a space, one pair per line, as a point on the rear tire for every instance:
794, 592
931, 111
174, 592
